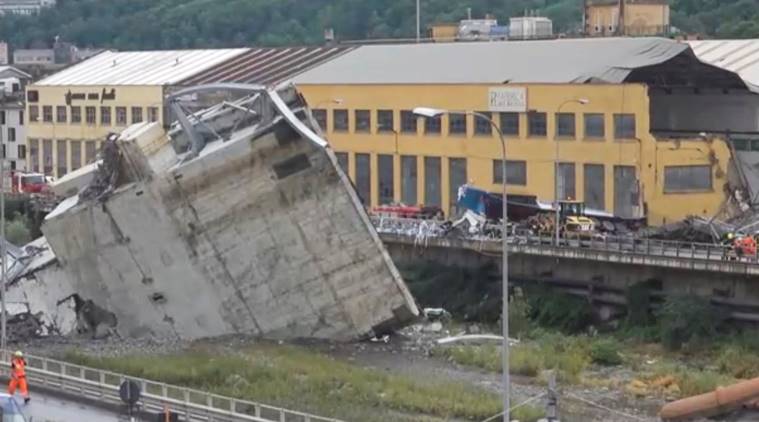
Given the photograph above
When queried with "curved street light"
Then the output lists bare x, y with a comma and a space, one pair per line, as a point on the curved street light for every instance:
580, 101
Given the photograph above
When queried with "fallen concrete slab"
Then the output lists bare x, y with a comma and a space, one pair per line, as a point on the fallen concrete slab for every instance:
241, 222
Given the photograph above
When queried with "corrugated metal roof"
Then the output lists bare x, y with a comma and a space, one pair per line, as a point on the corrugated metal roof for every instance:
267, 66
141, 67
739, 56
552, 61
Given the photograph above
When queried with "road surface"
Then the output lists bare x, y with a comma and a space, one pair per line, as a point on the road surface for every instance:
45, 408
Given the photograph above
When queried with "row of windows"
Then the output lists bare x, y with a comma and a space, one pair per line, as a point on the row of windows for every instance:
508, 123
4, 120
47, 148
107, 115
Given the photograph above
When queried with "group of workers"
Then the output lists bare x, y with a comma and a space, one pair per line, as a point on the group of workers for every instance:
741, 245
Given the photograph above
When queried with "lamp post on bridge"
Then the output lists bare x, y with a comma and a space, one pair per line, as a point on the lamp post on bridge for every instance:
432, 113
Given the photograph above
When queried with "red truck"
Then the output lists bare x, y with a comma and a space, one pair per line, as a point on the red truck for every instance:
29, 183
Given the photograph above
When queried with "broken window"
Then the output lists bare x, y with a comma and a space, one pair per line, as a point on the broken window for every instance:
76, 114
408, 121
433, 125
594, 186
457, 177
363, 121
342, 160
340, 120
510, 123
364, 178
565, 125
90, 151
683, 179
385, 179
47, 156
105, 116
34, 150
61, 167
567, 181
121, 116
457, 124
34, 113
408, 180
516, 172
47, 114
91, 115
61, 116
152, 114
536, 124
482, 126
385, 121
594, 125
76, 155
625, 191
432, 185
136, 115
320, 115
624, 126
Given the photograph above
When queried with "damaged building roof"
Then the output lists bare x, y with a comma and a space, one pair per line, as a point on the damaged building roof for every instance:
594, 60
739, 56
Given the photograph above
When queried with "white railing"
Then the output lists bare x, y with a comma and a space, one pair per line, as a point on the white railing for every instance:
192, 405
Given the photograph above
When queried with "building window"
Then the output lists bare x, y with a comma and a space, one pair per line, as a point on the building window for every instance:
34, 113
105, 116
364, 178
385, 179
2, 117
683, 179
408, 121
61, 116
22, 152
47, 114
510, 123
47, 156
76, 155
482, 126
153, 115
21, 117
565, 125
594, 125
342, 160
624, 126
363, 121
516, 172
385, 121
34, 155
121, 116
90, 151
567, 181
340, 120
594, 186
536, 124
457, 177
320, 115
136, 115
61, 165
433, 125
76, 114
409, 179
11, 134
432, 181
90, 115
457, 124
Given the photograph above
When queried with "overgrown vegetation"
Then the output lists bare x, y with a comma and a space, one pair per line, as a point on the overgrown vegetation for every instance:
688, 319
307, 381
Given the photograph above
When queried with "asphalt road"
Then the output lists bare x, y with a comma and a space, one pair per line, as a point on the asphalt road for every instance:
45, 408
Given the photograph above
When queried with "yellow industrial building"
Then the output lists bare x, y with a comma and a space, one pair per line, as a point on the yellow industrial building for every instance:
637, 17
584, 104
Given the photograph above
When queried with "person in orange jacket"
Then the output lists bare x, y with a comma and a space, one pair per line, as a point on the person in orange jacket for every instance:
18, 376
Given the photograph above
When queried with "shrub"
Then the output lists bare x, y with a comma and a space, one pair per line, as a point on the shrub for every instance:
561, 311
738, 362
605, 352
685, 319
519, 318
525, 361
528, 413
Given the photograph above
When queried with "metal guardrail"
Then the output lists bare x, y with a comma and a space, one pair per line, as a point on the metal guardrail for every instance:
193, 405
424, 230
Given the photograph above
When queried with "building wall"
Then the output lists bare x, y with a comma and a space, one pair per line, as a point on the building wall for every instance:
640, 19
645, 156
13, 135
705, 111
59, 146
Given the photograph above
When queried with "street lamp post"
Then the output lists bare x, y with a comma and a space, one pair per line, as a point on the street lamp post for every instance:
431, 113
418, 21
581, 101
3, 250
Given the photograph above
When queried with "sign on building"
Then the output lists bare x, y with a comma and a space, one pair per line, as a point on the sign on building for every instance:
511, 99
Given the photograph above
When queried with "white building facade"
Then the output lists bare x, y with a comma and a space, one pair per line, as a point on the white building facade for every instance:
24, 7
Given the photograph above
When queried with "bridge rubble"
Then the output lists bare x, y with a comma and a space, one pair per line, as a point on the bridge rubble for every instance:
238, 220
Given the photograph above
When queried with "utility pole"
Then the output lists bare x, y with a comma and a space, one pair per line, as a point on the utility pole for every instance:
552, 410
621, 19
3, 251
418, 21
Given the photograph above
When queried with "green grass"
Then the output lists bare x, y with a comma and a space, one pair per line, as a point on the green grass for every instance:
295, 378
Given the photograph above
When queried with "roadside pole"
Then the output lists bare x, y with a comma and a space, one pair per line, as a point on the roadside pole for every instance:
3, 251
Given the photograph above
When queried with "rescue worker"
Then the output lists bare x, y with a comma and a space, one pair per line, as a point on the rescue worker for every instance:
18, 376
749, 246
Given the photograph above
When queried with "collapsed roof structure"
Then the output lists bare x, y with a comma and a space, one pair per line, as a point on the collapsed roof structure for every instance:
239, 220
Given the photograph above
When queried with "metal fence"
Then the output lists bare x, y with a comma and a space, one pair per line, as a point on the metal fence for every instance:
193, 405
423, 230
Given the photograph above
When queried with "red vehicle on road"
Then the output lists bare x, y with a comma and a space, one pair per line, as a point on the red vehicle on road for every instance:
29, 183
